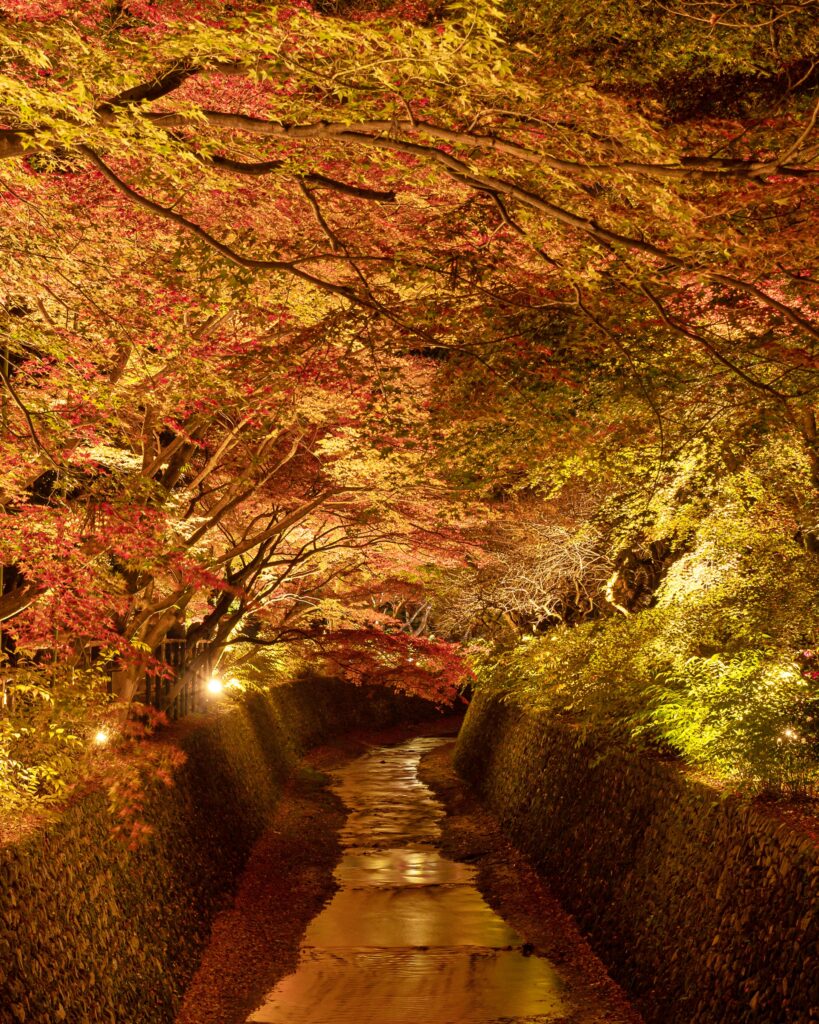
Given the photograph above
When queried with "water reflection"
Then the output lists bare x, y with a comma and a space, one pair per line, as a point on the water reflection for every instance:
408, 939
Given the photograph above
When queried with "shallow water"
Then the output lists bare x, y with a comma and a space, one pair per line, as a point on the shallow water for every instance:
407, 939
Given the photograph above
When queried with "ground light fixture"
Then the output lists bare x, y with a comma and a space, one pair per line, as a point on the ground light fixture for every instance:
214, 685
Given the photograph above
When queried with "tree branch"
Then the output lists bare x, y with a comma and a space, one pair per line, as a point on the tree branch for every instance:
686, 332
158, 87
263, 167
685, 167
246, 262
32, 430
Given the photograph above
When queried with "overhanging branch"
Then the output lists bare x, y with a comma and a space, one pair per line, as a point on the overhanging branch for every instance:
189, 226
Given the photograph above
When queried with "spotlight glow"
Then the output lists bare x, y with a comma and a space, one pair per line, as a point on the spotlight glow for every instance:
215, 685
101, 737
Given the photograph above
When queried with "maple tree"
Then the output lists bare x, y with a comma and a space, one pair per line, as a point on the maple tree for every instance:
294, 301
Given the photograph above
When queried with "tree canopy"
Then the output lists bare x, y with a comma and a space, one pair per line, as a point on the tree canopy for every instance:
399, 339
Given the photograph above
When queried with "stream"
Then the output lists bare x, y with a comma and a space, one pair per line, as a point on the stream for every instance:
407, 938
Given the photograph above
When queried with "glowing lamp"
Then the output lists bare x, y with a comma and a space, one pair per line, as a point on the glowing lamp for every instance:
214, 685
101, 737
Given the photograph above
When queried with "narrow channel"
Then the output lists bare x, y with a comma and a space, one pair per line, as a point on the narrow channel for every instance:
407, 939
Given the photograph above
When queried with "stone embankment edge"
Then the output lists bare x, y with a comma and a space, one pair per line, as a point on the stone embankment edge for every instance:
704, 907
94, 933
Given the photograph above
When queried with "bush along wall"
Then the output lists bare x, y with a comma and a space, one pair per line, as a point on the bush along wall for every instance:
705, 908
93, 932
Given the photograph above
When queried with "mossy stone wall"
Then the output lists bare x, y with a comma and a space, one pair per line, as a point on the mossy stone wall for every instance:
706, 909
91, 932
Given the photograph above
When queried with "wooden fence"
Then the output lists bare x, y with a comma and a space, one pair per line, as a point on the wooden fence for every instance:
176, 654
156, 686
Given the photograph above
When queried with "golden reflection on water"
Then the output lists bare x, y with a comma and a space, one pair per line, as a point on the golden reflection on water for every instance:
408, 939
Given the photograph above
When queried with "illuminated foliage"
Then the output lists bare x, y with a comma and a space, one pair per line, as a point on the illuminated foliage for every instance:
307, 310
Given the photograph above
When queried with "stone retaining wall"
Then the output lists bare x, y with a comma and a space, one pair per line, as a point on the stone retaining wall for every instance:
93, 933
705, 908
